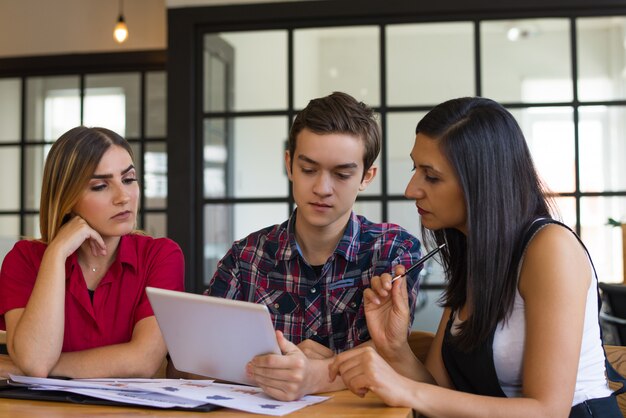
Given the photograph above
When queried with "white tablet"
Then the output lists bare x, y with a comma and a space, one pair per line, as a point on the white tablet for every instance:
212, 336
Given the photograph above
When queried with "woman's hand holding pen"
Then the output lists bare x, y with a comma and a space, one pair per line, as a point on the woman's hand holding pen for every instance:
382, 370
387, 310
387, 313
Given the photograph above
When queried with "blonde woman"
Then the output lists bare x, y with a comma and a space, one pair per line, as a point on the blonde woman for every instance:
74, 303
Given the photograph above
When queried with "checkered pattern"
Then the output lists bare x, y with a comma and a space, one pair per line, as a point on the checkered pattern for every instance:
266, 267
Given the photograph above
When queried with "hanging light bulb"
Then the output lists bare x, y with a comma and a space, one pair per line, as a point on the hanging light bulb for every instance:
120, 33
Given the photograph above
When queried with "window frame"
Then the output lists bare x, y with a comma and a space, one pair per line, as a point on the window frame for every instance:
81, 66
187, 26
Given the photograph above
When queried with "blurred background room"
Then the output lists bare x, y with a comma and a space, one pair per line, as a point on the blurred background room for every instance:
206, 91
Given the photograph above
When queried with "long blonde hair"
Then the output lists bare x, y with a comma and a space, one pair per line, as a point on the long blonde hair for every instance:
70, 164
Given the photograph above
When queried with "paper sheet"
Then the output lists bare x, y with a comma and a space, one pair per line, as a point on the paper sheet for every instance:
168, 393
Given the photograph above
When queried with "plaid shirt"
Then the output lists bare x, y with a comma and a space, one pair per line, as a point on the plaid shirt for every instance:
266, 267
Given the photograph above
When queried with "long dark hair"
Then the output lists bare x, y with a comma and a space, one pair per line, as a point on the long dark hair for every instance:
503, 194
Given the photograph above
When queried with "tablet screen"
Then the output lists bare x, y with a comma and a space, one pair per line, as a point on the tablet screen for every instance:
211, 336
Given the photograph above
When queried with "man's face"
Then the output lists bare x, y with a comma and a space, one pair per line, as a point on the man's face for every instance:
327, 174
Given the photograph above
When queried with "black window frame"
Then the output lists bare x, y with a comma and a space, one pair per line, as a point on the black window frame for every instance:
187, 26
80, 65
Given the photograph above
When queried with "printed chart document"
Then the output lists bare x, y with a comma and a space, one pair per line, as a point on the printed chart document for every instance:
170, 393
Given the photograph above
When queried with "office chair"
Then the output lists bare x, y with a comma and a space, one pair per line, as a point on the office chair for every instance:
613, 313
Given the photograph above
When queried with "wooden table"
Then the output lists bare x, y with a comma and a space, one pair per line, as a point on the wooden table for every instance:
341, 404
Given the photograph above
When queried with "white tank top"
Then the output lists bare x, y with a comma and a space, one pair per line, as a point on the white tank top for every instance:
508, 351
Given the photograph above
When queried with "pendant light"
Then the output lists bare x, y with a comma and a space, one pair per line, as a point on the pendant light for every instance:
120, 33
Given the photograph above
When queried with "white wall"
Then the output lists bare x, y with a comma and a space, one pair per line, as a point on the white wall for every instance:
44, 27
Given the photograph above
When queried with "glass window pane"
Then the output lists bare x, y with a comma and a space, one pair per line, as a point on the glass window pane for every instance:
566, 207
10, 109
549, 132
526, 60
429, 63
602, 148
9, 234
10, 172
155, 177
31, 223
427, 310
224, 224
218, 61
373, 211
400, 140
137, 160
35, 160
260, 69
156, 104
112, 101
601, 58
156, 225
252, 217
604, 241
218, 236
404, 213
52, 106
216, 132
337, 59
258, 159
246, 160
374, 188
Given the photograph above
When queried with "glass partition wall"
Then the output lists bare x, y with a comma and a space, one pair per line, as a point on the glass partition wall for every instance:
562, 75
43, 97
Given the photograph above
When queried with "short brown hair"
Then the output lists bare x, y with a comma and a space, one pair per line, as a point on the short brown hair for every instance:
70, 164
339, 113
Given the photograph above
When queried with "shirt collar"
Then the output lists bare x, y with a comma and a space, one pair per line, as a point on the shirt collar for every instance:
287, 246
348, 246
126, 254
127, 251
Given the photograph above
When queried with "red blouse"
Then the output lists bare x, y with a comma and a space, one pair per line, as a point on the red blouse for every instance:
120, 299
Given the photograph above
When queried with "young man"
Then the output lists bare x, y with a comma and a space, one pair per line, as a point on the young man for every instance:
311, 270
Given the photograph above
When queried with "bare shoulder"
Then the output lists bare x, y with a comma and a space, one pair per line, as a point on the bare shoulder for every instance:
555, 237
554, 259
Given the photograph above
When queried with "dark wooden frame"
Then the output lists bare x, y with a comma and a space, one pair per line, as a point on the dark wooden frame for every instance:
187, 25
77, 65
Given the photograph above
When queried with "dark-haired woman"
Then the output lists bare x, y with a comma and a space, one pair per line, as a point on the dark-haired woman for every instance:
519, 336
74, 302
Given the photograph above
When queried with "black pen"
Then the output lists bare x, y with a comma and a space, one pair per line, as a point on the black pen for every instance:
419, 262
